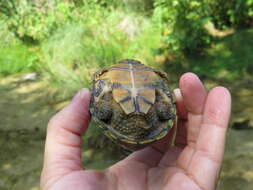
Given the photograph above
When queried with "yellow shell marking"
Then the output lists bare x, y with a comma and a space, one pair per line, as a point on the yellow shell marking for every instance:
132, 79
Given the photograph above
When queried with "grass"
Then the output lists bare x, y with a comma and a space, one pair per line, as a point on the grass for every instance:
77, 50
91, 39
16, 58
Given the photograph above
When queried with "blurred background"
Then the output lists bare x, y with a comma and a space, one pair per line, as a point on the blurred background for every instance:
50, 48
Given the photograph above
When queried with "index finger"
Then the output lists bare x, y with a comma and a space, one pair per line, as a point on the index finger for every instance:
194, 97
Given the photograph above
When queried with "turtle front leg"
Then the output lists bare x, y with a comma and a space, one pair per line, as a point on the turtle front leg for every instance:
165, 106
102, 111
101, 101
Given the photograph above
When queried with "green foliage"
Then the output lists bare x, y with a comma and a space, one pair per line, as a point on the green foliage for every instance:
140, 6
77, 37
32, 23
234, 53
229, 59
76, 51
103, 3
17, 58
232, 13
183, 22
14, 56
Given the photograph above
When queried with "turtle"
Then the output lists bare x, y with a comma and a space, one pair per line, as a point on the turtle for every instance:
132, 103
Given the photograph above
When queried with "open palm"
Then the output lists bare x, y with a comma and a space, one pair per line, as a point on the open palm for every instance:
192, 163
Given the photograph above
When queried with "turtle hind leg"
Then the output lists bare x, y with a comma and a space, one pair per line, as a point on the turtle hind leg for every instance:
164, 111
103, 111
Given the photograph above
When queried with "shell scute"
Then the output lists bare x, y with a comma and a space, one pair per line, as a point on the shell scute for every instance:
146, 100
123, 97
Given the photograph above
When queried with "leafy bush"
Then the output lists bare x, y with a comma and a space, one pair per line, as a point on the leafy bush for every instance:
141, 6
103, 3
183, 22
232, 13
33, 23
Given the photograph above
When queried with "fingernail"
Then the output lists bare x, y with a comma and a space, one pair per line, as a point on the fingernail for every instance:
84, 92
178, 94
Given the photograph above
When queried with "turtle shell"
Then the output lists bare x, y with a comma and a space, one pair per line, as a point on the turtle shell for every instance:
133, 103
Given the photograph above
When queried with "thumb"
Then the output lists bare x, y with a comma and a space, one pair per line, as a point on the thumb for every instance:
63, 141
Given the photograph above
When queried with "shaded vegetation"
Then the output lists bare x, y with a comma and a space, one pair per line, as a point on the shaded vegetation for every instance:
228, 59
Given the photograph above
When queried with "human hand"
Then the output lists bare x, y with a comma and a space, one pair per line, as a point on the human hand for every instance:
192, 163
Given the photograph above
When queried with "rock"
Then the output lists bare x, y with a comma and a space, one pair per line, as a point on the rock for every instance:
30, 77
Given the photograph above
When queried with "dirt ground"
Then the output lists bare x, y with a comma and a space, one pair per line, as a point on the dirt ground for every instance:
24, 112
26, 106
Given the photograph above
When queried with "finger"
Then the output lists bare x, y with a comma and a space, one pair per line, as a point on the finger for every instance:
181, 138
63, 142
181, 109
210, 145
194, 96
